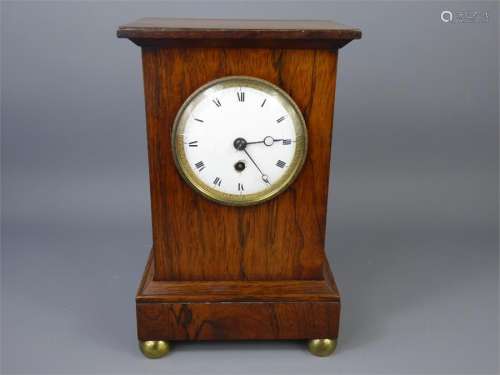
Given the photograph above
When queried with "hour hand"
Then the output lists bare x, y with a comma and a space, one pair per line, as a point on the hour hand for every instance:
265, 177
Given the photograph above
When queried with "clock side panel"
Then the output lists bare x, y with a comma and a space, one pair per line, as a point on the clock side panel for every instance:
196, 239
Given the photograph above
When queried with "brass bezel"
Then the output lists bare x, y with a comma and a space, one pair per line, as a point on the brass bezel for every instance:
217, 196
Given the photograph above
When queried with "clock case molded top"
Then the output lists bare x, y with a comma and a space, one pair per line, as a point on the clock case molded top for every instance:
238, 33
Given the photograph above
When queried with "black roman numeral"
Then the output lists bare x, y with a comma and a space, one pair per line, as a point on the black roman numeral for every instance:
193, 144
280, 119
264, 102
217, 181
240, 187
280, 163
287, 142
217, 102
241, 96
200, 166
199, 120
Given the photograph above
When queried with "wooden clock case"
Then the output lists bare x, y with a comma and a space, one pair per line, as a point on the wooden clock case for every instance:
235, 273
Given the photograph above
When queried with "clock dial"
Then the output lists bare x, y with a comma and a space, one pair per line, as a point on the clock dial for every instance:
239, 140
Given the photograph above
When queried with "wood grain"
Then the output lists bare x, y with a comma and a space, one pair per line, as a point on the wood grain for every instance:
198, 240
237, 321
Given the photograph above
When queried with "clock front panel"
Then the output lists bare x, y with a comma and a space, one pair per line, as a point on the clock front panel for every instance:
279, 233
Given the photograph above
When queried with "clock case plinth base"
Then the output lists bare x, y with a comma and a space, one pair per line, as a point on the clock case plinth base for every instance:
237, 310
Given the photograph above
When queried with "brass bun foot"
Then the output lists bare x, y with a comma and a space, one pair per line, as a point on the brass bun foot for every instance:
322, 347
154, 349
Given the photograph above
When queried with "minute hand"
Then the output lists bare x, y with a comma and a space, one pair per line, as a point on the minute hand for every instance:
268, 141
264, 177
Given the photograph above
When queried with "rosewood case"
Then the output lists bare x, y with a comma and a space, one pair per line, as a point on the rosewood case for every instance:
234, 273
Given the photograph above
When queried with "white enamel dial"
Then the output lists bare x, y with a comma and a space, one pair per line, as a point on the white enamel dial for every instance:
239, 140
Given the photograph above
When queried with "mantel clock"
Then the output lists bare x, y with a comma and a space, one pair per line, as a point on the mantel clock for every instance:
239, 126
